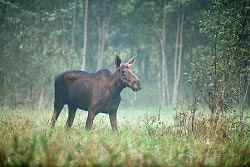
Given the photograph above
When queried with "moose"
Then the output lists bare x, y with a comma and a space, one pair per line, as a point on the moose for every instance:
93, 92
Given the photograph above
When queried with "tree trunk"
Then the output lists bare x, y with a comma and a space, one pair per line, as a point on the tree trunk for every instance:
242, 101
177, 58
164, 72
85, 11
163, 79
175, 62
158, 66
103, 28
73, 27
73, 34
62, 27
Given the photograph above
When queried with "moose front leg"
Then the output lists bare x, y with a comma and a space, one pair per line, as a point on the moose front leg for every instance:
113, 121
90, 119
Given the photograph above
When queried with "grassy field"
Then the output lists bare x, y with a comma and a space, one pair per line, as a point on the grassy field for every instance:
146, 138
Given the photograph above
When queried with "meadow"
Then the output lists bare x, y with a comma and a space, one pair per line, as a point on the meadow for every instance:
147, 137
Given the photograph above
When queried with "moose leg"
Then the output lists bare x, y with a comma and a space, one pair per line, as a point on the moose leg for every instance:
89, 122
113, 121
71, 116
56, 112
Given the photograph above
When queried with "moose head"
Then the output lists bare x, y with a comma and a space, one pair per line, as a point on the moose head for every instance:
126, 75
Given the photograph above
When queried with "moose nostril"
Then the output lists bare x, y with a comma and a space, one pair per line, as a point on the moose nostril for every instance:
139, 86
136, 85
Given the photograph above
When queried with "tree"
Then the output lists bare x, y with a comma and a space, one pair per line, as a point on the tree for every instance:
85, 11
102, 32
161, 34
222, 76
178, 55
39, 40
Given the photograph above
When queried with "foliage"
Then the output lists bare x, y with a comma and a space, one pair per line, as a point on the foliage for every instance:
221, 77
26, 140
27, 50
41, 39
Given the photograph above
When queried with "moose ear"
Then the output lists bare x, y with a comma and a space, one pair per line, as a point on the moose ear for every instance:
117, 61
131, 61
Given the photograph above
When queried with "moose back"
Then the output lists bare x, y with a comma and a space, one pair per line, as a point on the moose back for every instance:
94, 92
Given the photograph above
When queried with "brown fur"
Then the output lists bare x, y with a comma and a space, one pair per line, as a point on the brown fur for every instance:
94, 92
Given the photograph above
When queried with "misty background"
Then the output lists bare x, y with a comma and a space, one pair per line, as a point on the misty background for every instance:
42, 38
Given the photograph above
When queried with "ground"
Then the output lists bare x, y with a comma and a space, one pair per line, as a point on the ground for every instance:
146, 138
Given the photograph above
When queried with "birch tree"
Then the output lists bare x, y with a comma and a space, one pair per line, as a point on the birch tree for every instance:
178, 57
102, 32
85, 11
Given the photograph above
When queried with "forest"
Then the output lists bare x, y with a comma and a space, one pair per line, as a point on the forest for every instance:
192, 58
175, 42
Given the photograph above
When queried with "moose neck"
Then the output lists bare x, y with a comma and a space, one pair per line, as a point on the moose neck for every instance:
115, 86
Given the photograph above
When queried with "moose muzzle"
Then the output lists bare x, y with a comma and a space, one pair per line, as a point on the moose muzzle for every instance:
136, 85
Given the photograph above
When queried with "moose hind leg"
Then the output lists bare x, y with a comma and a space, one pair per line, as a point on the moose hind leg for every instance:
71, 116
56, 113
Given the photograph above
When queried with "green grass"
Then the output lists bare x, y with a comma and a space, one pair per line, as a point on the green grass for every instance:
143, 140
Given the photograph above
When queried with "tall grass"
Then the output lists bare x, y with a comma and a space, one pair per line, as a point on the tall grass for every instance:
158, 138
